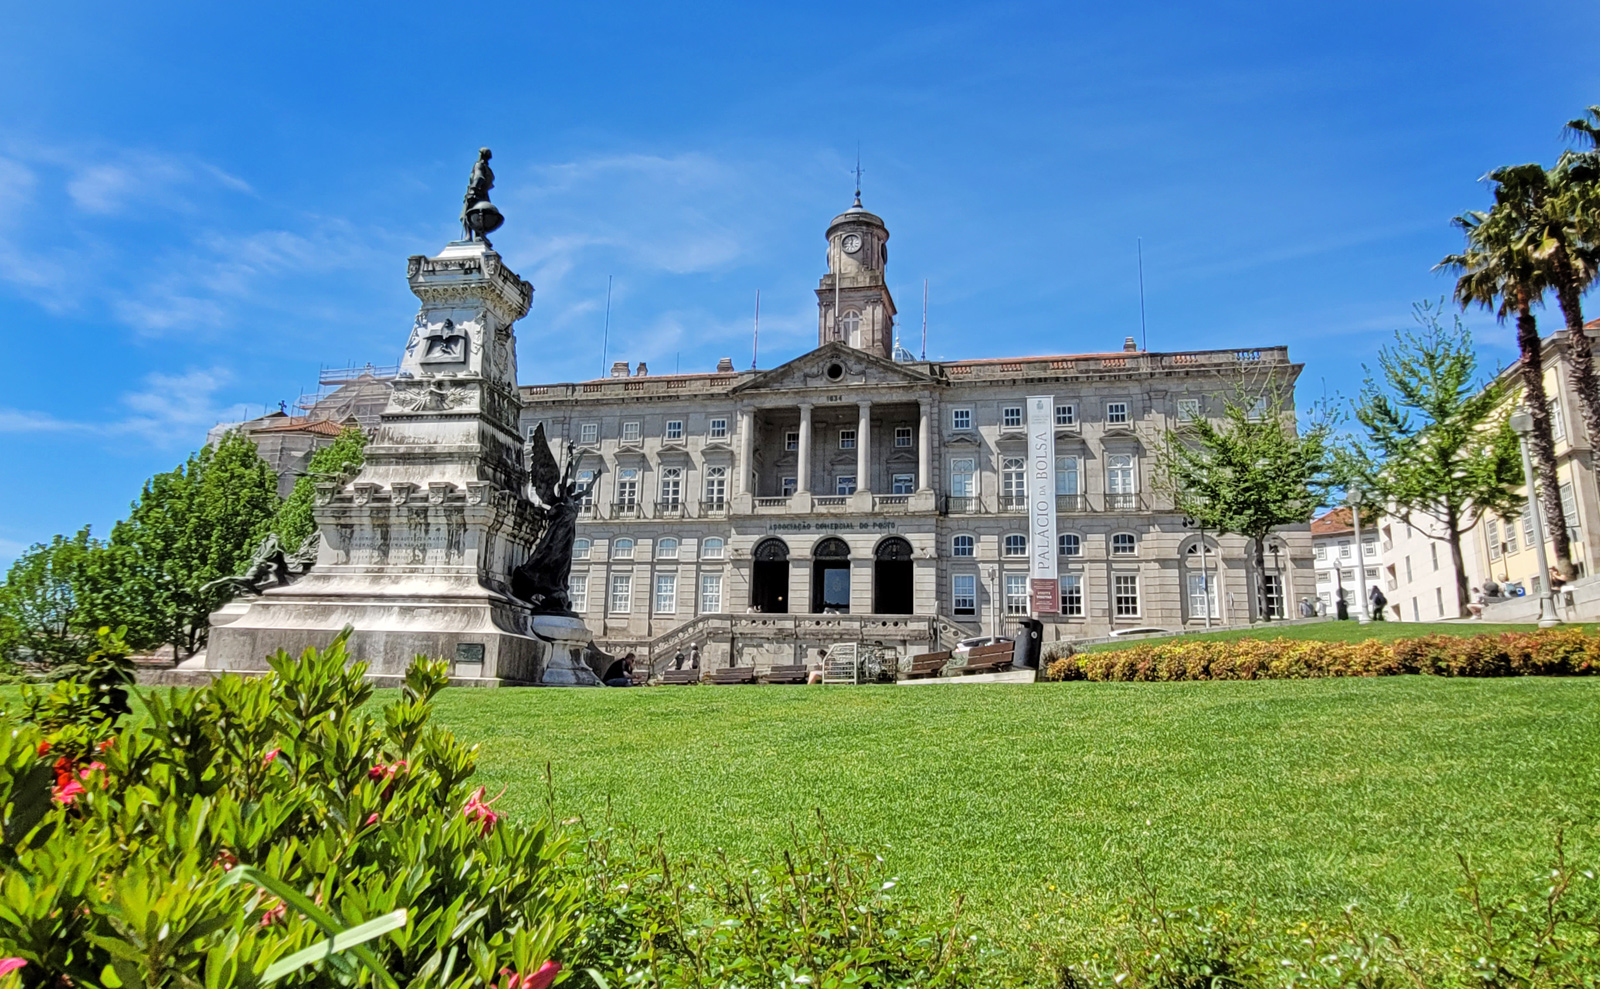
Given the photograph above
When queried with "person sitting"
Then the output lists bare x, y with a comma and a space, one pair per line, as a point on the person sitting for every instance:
1556, 580
815, 676
621, 673
1491, 589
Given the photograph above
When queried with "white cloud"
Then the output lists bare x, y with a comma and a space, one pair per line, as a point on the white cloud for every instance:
131, 178
170, 410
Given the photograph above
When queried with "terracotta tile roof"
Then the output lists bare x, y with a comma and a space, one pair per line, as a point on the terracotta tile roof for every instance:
1333, 523
302, 424
1593, 324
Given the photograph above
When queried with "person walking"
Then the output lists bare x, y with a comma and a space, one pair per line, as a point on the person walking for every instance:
1378, 602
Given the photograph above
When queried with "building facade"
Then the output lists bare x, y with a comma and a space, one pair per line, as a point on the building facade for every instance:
1335, 557
856, 483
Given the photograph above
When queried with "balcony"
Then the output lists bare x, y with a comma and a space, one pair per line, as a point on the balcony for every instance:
715, 508
1013, 503
830, 501
778, 504
670, 508
960, 505
1124, 502
891, 501
1072, 504
625, 510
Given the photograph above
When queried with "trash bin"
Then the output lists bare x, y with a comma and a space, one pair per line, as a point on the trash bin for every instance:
1025, 646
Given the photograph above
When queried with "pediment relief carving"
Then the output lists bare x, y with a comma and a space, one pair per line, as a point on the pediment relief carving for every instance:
835, 366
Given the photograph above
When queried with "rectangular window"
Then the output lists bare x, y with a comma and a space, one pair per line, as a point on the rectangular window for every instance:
710, 593
787, 486
1408, 569
578, 592
674, 429
1527, 524
791, 441
1569, 506
1434, 549
671, 486
1493, 529
1125, 595
1067, 482
1324, 577
627, 487
904, 484
960, 418
964, 594
1321, 551
718, 429
1344, 549
1188, 409
902, 436
847, 439
1066, 415
1011, 417
630, 432
1369, 547
589, 432
586, 485
1535, 586
1558, 423
1072, 595
1438, 598
845, 484
1274, 589
1202, 596
1117, 413
961, 478
1416, 613
666, 593
1258, 408
716, 486
1016, 594
1013, 482
621, 593
1508, 535
1120, 494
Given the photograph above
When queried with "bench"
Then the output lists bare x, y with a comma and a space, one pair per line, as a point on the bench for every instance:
787, 674
987, 659
733, 674
680, 677
927, 665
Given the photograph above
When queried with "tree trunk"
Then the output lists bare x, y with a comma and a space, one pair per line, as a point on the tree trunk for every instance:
1453, 521
1260, 550
1579, 353
1543, 440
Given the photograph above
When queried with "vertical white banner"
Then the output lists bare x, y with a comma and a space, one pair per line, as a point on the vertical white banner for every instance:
1043, 586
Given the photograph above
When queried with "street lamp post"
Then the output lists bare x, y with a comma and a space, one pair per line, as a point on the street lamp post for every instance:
1522, 425
1353, 496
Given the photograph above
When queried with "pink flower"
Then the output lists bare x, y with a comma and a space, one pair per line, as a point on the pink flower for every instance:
92, 767
371, 820
66, 793
539, 980
9, 965
227, 860
382, 772
479, 810
274, 914
270, 757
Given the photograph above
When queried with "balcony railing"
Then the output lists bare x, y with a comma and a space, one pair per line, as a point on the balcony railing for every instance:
1123, 502
782, 501
670, 508
714, 508
831, 501
890, 500
1072, 503
625, 510
1013, 503
960, 504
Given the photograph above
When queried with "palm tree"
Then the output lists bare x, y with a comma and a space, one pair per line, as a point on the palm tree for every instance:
1499, 273
1587, 126
1549, 214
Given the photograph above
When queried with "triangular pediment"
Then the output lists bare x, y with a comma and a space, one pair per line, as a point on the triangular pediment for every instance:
835, 365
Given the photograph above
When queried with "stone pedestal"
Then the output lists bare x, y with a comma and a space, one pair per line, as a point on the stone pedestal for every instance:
566, 639
417, 550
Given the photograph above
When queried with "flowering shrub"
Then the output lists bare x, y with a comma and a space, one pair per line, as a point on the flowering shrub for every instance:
1546, 652
262, 829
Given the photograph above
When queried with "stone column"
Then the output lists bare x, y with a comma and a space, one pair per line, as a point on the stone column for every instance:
747, 424
803, 467
864, 449
924, 448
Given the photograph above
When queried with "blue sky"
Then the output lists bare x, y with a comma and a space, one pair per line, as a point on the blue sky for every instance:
200, 205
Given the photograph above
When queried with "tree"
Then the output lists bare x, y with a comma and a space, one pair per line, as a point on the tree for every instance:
1248, 473
1438, 440
191, 525
343, 457
54, 597
1498, 272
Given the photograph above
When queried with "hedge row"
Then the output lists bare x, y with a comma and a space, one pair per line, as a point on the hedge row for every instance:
1547, 652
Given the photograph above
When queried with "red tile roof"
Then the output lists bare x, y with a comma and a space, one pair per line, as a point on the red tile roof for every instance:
1333, 523
302, 424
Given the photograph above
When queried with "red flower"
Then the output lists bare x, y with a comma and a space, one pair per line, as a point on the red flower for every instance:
274, 914
66, 793
477, 809
105, 744
227, 860
372, 819
538, 980
382, 772
270, 757
43, 748
9, 965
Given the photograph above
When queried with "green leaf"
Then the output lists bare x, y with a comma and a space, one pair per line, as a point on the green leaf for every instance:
343, 941
314, 913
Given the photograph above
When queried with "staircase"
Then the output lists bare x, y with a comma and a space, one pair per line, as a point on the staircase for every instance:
923, 633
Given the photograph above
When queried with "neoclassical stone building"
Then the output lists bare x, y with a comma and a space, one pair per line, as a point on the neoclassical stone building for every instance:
858, 493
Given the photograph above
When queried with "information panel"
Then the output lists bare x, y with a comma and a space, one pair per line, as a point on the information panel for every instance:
1042, 504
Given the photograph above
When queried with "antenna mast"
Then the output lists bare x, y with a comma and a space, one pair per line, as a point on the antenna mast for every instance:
1144, 334
924, 319
755, 340
605, 337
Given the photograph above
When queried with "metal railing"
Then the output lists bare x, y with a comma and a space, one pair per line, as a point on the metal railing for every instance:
1013, 503
624, 509
1072, 503
960, 505
670, 509
1123, 502
830, 501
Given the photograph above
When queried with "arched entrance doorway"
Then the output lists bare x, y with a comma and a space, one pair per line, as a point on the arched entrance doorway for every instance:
891, 577
830, 577
769, 577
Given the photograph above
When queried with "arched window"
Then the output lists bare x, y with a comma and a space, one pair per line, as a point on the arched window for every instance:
831, 548
961, 546
771, 551
850, 327
580, 549
1068, 544
666, 548
893, 548
1016, 544
1124, 544
622, 549
711, 549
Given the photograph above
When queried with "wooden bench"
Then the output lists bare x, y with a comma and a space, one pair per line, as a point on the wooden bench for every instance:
987, 659
733, 674
927, 665
680, 677
787, 674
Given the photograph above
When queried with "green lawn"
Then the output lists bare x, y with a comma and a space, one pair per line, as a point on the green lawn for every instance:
1037, 801
1337, 631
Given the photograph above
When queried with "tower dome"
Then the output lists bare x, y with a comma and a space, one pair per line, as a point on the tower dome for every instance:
854, 306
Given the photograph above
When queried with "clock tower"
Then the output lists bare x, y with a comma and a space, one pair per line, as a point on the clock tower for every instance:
853, 302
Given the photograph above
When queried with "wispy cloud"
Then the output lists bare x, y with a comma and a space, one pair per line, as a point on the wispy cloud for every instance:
168, 411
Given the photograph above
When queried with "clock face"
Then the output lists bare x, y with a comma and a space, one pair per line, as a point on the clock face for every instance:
852, 243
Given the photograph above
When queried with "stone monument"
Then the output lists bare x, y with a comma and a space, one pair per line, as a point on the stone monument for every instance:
418, 549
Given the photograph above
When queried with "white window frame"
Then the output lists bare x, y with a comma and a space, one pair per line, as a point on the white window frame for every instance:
1014, 544
787, 486
1119, 414
791, 440
710, 593
1072, 595
1122, 474
1016, 594
1011, 417
1066, 414
1188, 409
582, 548
971, 546
632, 430
1320, 551
847, 439
1124, 539
717, 429
1069, 475
964, 588
622, 548
964, 468
716, 485
903, 484
713, 548
1120, 607
627, 487
666, 594
674, 430
1069, 544
844, 484
667, 548
670, 487
620, 598
961, 420
589, 432
578, 592
903, 436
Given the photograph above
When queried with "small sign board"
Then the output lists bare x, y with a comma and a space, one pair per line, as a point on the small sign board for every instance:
1044, 595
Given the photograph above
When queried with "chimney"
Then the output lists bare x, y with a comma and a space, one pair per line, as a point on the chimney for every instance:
619, 369
1129, 346
642, 370
725, 366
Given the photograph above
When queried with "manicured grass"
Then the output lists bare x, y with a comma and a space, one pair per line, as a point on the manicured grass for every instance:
1040, 801
1336, 631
